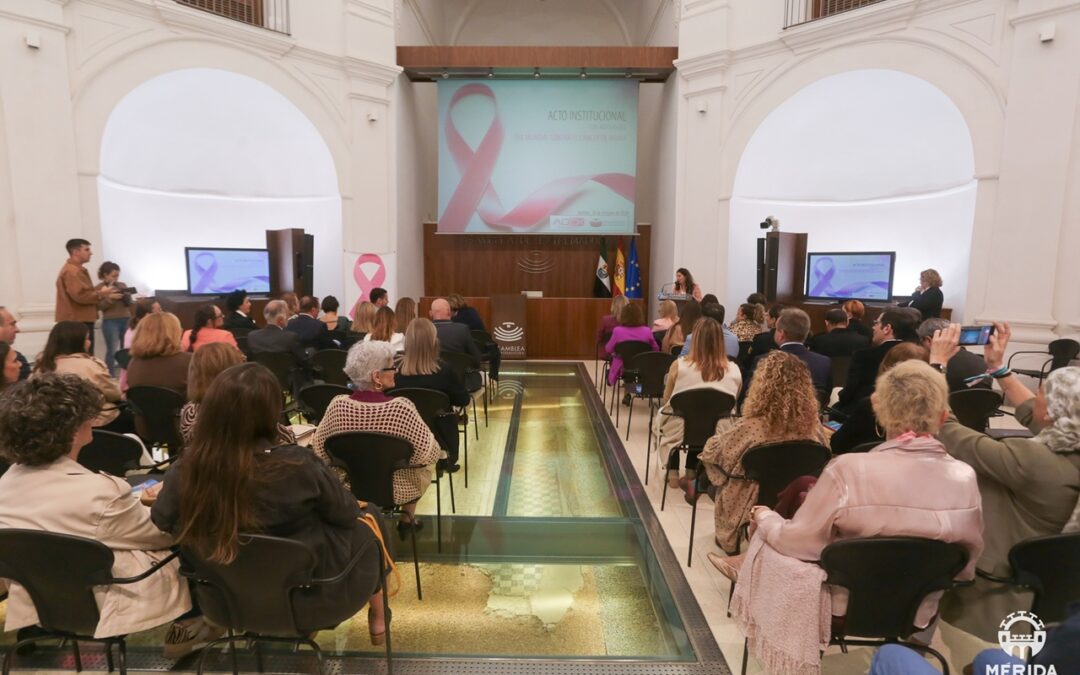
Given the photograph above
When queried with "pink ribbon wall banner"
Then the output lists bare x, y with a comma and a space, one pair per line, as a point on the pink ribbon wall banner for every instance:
363, 281
476, 194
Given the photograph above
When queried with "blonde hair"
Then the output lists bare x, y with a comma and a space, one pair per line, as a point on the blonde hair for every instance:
208, 362
404, 313
421, 349
617, 304
669, 310
707, 350
382, 328
931, 277
363, 316
157, 335
910, 396
782, 394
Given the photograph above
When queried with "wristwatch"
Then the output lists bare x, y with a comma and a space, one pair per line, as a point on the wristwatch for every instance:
940, 367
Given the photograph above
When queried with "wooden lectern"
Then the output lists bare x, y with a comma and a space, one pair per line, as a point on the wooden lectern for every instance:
782, 272
292, 261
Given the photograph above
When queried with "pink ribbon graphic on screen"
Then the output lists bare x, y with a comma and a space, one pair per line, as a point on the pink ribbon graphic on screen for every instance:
476, 194
363, 281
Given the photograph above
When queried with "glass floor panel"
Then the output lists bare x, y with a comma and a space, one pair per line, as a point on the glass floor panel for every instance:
546, 555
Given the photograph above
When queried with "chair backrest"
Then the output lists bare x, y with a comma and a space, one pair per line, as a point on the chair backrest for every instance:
332, 364
867, 446
280, 364
651, 368
159, 409
115, 454
887, 578
464, 365
482, 337
1051, 567
974, 407
431, 404
255, 591
743, 358
370, 459
1062, 351
675, 350
840, 365
774, 465
315, 398
123, 357
242, 345
629, 349
701, 409
59, 572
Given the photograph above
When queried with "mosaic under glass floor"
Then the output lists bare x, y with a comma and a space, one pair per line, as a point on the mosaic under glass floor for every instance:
545, 556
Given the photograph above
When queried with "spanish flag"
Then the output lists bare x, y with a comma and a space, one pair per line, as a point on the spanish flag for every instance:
619, 287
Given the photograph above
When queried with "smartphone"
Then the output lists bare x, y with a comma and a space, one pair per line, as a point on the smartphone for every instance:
142, 486
835, 426
975, 335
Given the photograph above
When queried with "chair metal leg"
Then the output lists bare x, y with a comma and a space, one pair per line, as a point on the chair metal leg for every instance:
438, 511
121, 649
453, 508
745, 654
693, 521
466, 462
78, 656
730, 595
108, 656
232, 653
386, 609
416, 564
485, 410
258, 656
319, 660
476, 425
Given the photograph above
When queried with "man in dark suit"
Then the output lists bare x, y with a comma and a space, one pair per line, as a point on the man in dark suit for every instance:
274, 338
453, 337
763, 343
893, 326
790, 332
838, 339
962, 365
237, 320
313, 333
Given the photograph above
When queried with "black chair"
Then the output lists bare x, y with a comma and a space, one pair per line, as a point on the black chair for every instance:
887, 579
743, 358
485, 342
242, 345
974, 407
114, 454
59, 572
255, 596
700, 409
315, 398
330, 365
867, 446
1048, 566
464, 365
840, 365
434, 405
157, 417
651, 368
675, 350
282, 365
371, 460
626, 351
1061, 353
123, 357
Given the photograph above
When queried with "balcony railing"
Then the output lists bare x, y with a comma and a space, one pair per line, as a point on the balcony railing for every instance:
803, 11
269, 14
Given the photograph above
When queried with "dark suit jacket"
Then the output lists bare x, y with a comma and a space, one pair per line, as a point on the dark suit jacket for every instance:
763, 343
275, 340
468, 316
928, 302
238, 324
862, 373
964, 365
820, 366
860, 328
839, 342
312, 332
456, 337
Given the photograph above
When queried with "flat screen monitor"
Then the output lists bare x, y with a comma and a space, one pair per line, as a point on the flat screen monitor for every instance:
214, 271
866, 276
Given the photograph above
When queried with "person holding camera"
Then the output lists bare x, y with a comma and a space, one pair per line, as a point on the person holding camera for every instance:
115, 311
76, 297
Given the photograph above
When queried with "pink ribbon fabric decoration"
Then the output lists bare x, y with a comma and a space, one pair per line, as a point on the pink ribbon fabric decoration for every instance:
476, 194
363, 281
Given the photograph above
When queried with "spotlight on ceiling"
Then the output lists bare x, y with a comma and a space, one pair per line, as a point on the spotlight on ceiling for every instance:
583, 74
445, 74
491, 72
536, 73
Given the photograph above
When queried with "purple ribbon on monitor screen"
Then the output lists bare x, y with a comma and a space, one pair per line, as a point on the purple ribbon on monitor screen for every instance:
206, 282
823, 283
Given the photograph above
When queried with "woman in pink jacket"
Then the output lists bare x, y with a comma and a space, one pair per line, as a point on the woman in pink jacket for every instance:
631, 328
907, 486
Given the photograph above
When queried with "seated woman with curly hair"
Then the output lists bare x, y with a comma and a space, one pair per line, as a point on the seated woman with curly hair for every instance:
44, 423
781, 405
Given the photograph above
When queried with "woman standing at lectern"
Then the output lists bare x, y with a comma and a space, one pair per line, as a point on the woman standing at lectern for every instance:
927, 298
684, 283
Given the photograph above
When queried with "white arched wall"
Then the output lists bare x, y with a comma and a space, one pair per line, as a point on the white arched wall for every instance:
208, 157
870, 160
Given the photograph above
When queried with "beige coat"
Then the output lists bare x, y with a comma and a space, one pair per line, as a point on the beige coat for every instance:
70, 499
76, 299
683, 376
96, 373
1027, 491
899, 489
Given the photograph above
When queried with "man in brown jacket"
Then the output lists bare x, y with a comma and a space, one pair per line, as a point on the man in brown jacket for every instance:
76, 298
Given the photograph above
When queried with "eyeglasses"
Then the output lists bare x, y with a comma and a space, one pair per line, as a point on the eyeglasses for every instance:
391, 369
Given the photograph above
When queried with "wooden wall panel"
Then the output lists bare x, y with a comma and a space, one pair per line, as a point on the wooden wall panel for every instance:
480, 265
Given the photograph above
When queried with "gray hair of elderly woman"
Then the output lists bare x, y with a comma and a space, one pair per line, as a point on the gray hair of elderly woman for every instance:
39, 417
1062, 391
365, 358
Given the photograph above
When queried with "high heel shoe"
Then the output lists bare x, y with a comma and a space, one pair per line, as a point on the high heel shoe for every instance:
378, 639
404, 526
